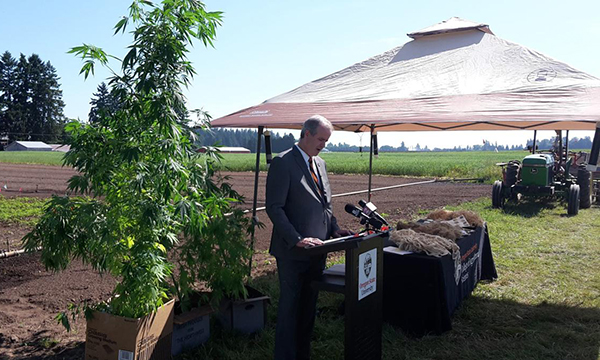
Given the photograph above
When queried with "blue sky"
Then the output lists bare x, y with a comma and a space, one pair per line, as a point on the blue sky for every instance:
265, 48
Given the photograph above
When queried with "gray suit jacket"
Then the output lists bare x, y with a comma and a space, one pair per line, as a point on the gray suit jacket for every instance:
295, 205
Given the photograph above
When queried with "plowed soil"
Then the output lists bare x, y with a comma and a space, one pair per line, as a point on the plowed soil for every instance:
30, 296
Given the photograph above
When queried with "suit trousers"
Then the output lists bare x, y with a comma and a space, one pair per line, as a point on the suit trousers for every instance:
297, 307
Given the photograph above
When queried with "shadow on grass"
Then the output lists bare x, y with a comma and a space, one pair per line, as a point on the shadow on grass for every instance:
502, 329
531, 206
482, 329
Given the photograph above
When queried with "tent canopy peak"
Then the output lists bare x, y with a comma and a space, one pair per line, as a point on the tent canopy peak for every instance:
454, 24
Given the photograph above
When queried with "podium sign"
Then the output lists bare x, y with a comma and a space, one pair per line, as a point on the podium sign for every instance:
362, 287
367, 273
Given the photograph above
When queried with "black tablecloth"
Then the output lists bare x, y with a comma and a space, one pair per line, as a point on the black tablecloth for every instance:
420, 292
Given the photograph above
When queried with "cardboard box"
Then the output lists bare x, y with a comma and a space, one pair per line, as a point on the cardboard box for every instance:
246, 315
110, 337
190, 329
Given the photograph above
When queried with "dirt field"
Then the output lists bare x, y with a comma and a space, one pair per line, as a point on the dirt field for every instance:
30, 296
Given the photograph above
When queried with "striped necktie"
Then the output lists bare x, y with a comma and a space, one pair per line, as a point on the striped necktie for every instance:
314, 175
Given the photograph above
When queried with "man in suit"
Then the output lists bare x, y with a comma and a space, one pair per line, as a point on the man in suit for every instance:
299, 205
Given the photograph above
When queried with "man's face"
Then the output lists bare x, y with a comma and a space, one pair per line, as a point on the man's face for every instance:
313, 144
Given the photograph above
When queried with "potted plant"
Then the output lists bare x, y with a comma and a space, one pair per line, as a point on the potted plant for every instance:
142, 184
217, 256
214, 256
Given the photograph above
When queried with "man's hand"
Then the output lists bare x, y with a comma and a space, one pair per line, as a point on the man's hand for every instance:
341, 233
309, 241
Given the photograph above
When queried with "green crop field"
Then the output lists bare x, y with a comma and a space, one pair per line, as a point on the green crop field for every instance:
471, 164
20, 210
32, 157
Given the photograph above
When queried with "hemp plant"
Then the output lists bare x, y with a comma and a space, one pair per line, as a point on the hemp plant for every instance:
141, 186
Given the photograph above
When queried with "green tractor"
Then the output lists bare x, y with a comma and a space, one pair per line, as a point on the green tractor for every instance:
551, 174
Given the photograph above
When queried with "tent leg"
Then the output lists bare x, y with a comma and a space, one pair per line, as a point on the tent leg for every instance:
567, 146
371, 163
254, 217
560, 147
534, 138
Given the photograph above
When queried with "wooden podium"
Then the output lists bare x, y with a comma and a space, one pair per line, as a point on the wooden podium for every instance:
362, 286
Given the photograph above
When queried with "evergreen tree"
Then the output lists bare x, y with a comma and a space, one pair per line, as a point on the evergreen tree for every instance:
18, 128
104, 104
45, 119
286, 142
8, 68
31, 106
403, 147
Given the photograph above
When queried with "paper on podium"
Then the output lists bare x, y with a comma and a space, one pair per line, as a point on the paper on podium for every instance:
395, 250
343, 238
336, 240
336, 270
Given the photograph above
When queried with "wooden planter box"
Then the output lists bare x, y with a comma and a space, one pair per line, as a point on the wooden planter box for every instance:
110, 337
245, 315
190, 329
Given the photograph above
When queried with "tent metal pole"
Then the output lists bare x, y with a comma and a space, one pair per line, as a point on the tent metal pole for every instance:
370, 162
561, 156
254, 201
534, 136
567, 146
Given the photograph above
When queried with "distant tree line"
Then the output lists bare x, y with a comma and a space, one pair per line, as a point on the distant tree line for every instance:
485, 146
31, 106
247, 139
243, 138
574, 143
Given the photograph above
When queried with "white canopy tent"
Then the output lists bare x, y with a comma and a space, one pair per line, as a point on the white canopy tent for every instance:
455, 75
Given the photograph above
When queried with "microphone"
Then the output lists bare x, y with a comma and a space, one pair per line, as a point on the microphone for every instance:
364, 218
371, 210
357, 212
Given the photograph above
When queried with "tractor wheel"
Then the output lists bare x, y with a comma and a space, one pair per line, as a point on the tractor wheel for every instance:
573, 200
584, 182
497, 196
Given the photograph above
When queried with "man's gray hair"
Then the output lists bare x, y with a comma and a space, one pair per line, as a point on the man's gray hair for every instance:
312, 123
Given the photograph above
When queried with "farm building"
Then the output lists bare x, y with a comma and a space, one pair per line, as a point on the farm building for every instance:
28, 146
60, 147
230, 150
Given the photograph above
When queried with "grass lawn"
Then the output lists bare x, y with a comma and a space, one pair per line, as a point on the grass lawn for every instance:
544, 305
32, 157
